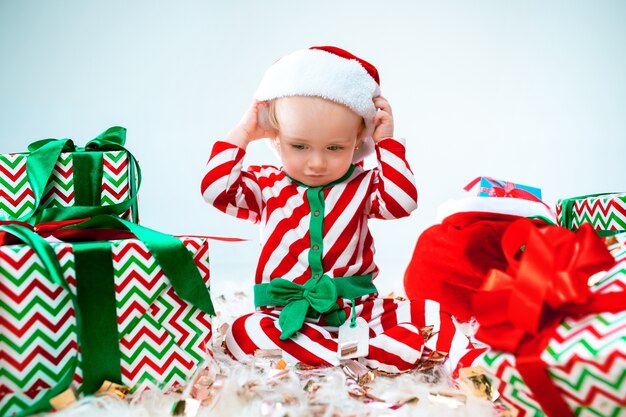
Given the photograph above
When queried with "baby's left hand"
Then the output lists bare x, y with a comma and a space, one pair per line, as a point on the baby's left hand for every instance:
383, 121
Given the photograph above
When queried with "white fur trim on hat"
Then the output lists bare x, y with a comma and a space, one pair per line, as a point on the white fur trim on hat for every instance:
314, 72
500, 205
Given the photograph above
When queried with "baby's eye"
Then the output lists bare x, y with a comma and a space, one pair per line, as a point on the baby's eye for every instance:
298, 147
335, 148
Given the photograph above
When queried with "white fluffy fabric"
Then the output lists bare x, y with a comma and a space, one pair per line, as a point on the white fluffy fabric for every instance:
249, 391
257, 389
500, 205
313, 72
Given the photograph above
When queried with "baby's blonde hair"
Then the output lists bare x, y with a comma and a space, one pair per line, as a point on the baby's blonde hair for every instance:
273, 120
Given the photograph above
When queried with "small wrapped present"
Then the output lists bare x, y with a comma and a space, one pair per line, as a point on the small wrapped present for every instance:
558, 345
605, 212
133, 311
490, 187
57, 180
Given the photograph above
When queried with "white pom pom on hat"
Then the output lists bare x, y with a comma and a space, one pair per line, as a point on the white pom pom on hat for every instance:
330, 73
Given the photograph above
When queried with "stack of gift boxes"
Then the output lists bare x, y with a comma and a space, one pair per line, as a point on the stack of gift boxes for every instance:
87, 295
573, 362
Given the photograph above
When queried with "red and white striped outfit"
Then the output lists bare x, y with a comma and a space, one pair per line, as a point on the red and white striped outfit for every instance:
267, 195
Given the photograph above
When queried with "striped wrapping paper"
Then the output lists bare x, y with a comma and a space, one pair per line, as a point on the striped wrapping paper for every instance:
586, 359
162, 338
16, 194
605, 212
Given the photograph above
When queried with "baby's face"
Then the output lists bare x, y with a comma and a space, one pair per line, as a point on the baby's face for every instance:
316, 139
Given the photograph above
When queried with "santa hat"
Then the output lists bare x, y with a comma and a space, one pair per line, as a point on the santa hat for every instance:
330, 73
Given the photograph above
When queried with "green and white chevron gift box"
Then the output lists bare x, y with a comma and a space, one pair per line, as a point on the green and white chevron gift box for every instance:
114, 312
57, 180
605, 212
585, 359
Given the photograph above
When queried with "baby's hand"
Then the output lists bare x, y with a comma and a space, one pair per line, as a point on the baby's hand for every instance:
383, 121
252, 126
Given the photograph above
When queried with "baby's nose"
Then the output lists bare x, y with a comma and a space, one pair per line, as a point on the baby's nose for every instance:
317, 160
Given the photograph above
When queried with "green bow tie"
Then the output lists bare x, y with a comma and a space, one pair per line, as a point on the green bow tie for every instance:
318, 296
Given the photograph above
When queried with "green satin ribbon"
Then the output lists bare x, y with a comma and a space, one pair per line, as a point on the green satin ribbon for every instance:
95, 303
54, 273
95, 291
567, 213
317, 296
87, 162
171, 254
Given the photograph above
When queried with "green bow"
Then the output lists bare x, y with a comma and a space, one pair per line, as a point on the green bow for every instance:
87, 163
318, 296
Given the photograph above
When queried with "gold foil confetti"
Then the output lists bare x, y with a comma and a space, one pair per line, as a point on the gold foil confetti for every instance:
450, 399
357, 371
354, 389
64, 399
435, 358
186, 408
378, 372
615, 243
111, 388
427, 332
476, 380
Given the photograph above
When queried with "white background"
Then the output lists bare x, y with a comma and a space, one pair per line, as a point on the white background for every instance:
532, 91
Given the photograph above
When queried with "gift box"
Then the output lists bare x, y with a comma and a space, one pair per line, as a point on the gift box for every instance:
58, 180
116, 315
490, 187
573, 363
605, 212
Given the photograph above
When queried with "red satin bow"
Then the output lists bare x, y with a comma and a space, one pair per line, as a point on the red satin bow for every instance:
543, 284
519, 309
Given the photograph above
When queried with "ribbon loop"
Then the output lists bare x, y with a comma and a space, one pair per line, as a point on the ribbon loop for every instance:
317, 294
550, 273
88, 174
111, 139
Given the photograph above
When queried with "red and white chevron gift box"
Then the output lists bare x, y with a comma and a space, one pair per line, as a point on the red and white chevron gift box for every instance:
606, 212
585, 358
16, 192
161, 338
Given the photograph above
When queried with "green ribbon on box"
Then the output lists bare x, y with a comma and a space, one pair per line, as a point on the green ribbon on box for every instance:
54, 273
567, 217
87, 162
95, 303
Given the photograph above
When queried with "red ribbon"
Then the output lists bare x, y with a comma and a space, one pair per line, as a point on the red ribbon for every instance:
546, 281
62, 230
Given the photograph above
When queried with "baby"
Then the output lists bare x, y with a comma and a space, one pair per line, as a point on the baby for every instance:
322, 110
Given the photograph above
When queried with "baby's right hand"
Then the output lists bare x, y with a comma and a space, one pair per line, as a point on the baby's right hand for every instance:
252, 126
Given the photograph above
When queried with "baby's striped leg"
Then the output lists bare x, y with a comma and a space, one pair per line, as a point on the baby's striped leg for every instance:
313, 344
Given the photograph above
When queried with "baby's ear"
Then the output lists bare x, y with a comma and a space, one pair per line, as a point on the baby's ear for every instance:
361, 128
